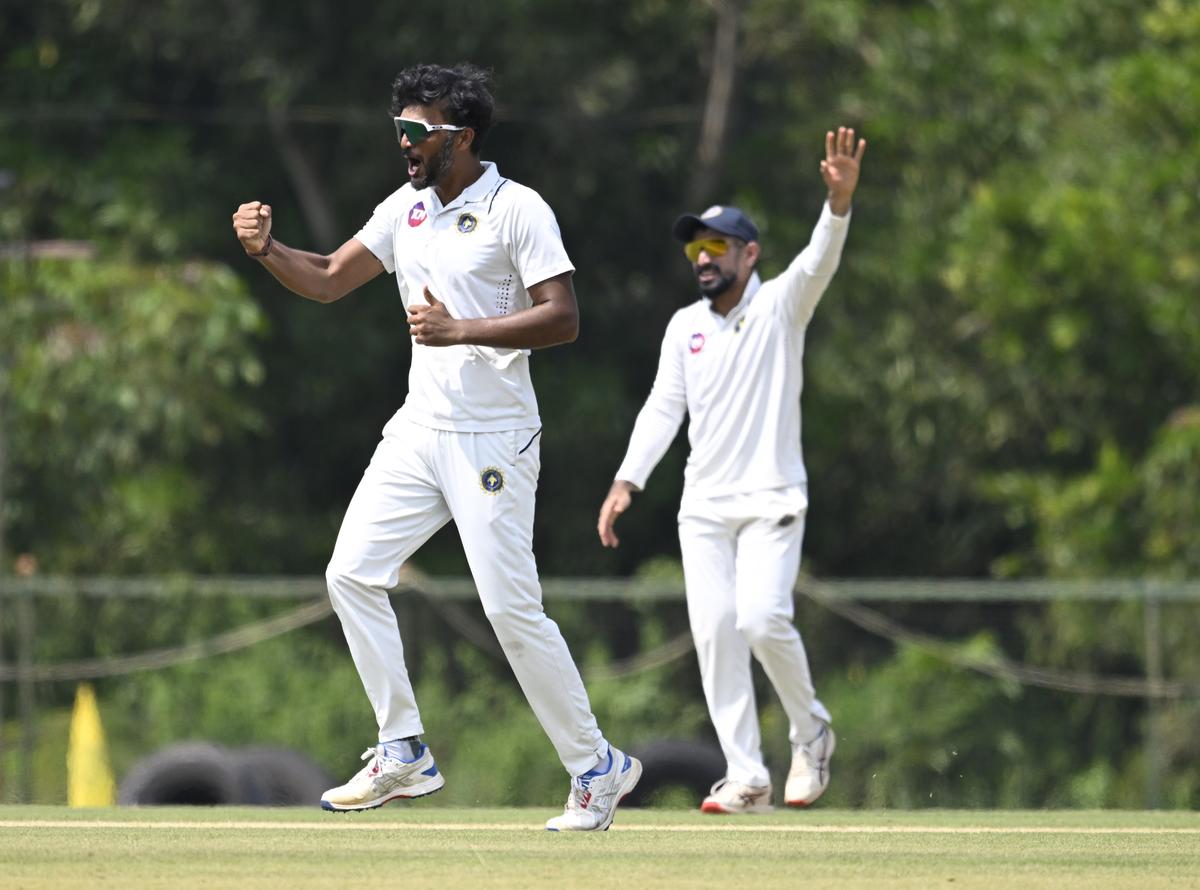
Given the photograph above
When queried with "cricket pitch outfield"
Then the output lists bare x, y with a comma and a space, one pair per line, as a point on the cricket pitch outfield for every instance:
422, 846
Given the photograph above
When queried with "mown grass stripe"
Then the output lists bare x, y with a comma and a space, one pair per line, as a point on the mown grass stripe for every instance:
524, 826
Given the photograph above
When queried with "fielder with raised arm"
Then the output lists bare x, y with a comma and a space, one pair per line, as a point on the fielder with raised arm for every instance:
480, 263
732, 361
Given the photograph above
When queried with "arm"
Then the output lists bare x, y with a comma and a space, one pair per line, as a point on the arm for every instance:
655, 428
312, 276
552, 319
809, 274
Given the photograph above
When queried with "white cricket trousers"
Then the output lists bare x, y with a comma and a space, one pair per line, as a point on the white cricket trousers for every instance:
741, 558
418, 480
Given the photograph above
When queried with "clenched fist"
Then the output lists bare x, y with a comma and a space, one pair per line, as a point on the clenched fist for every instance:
252, 225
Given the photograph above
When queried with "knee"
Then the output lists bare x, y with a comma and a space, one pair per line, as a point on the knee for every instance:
344, 581
509, 620
709, 631
764, 626
337, 582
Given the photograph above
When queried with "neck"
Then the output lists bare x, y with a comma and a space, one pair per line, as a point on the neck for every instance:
724, 304
458, 178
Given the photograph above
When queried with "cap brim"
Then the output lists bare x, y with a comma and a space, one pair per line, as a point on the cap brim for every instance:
686, 226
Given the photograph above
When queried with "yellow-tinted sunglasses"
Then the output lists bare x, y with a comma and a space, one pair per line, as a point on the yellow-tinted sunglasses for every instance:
711, 246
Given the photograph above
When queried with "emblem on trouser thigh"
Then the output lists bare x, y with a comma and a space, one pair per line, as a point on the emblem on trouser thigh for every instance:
491, 480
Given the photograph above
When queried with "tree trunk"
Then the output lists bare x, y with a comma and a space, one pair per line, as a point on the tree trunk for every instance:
314, 204
711, 149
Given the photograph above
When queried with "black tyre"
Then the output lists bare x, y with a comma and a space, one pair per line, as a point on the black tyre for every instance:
190, 773
280, 777
692, 766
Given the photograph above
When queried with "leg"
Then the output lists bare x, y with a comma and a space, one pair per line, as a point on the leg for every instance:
395, 510
768, 561
708, 548
490, 480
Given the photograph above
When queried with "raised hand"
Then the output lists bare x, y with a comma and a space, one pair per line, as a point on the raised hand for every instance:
843, 159
252, 225
431, 324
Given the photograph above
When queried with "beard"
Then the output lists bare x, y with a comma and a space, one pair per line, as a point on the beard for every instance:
717, 286
436, 167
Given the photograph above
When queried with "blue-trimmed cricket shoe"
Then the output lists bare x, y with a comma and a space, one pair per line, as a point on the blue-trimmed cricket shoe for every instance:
594, 796
383, 780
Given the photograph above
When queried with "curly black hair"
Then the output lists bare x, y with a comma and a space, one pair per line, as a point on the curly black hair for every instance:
462, 92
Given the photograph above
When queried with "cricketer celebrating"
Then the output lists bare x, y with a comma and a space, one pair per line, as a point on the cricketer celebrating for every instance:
481, 265
732, 361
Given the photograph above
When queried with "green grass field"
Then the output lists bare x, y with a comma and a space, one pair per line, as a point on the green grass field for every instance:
414, 846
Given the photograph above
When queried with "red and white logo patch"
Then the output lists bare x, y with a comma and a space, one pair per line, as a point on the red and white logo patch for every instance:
417, 215
696, 343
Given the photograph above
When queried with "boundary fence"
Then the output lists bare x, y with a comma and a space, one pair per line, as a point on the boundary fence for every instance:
847, 598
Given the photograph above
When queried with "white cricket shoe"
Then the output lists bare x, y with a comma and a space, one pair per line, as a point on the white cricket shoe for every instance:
809, 776
385, 779
733, 798
594, 796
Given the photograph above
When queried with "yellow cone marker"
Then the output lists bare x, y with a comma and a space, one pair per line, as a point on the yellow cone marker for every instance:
89, 775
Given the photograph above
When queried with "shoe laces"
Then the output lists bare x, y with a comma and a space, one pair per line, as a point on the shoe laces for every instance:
580, 795
371, 768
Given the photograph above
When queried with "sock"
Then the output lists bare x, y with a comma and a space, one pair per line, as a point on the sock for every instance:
408, 749
603, 765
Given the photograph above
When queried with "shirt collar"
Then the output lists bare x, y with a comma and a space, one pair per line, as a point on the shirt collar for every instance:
479, 189
753, 283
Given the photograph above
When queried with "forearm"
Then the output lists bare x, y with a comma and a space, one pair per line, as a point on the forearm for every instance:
534, 328
653, 432
824, 251
301, 272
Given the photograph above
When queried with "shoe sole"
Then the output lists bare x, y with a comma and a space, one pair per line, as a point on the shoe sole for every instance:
425, 789
721, 810
801, 804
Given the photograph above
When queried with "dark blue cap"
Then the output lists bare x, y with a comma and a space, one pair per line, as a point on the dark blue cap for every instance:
726, 220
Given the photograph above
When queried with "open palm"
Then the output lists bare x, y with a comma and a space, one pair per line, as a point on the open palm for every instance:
843, 159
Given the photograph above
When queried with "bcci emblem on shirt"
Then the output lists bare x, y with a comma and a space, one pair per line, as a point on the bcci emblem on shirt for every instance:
491, 480
466, 223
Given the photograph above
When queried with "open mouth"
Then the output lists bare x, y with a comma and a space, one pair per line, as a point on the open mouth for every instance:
707, 274
415, 166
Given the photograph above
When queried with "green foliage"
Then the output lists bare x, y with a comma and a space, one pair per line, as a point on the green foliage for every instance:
1002, 379
117, 377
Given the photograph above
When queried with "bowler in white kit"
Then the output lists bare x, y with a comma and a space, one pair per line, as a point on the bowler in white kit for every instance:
481, 266
732, 362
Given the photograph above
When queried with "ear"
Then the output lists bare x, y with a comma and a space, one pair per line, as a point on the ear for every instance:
751, 253
466, 137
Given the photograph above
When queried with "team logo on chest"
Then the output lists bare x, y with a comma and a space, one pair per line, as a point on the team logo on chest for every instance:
695, 343
491, 480
417, 214
466, 223
739, 324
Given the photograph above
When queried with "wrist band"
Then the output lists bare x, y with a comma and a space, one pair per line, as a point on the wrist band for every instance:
266, 248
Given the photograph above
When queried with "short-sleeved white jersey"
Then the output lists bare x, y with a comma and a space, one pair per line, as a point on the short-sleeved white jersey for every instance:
738, 378
479, 255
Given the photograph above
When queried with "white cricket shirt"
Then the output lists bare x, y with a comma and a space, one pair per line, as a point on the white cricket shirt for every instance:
738, 378
479, 255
